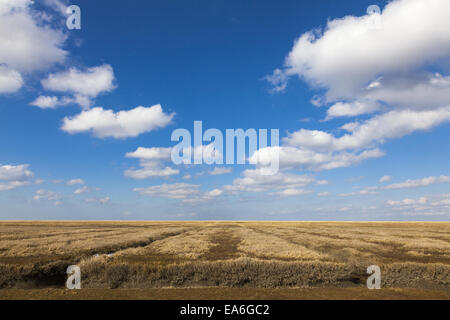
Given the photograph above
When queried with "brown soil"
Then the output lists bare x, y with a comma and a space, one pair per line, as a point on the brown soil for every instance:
217, 293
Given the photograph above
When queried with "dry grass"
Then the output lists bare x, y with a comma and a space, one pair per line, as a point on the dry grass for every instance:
188, 245
269, 244
231, 254
68, 239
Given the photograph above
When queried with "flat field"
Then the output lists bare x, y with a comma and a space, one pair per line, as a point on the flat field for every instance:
221, 260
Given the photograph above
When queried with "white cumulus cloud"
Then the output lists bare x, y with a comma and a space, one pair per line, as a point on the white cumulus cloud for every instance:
355, 65
29, 43
122, 124
351, 109
393, 124
151, 154
419, 182
254, 181
185, 192
420, 30
12, 176
150, 170
305, 159
152, 163
48, 195
292, 192
84, 85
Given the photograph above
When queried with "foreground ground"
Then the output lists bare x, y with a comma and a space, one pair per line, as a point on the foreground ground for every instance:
245, 259
217, 293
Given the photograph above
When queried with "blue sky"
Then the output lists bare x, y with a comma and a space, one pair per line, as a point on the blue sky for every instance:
361, 102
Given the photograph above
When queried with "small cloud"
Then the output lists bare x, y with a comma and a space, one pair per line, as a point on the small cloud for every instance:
81, 190
366, 191
220, 170
419, 182
385, 179
291, 192
408, 202
75, 181
345, 209
351, 109
318, 101
49, 102
48, 195
104, 200
188, 193
278, 79
215, 193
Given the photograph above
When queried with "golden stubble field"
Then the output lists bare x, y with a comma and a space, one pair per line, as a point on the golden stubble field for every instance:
213, 259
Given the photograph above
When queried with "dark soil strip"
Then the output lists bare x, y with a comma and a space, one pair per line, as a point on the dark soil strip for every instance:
225, 246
